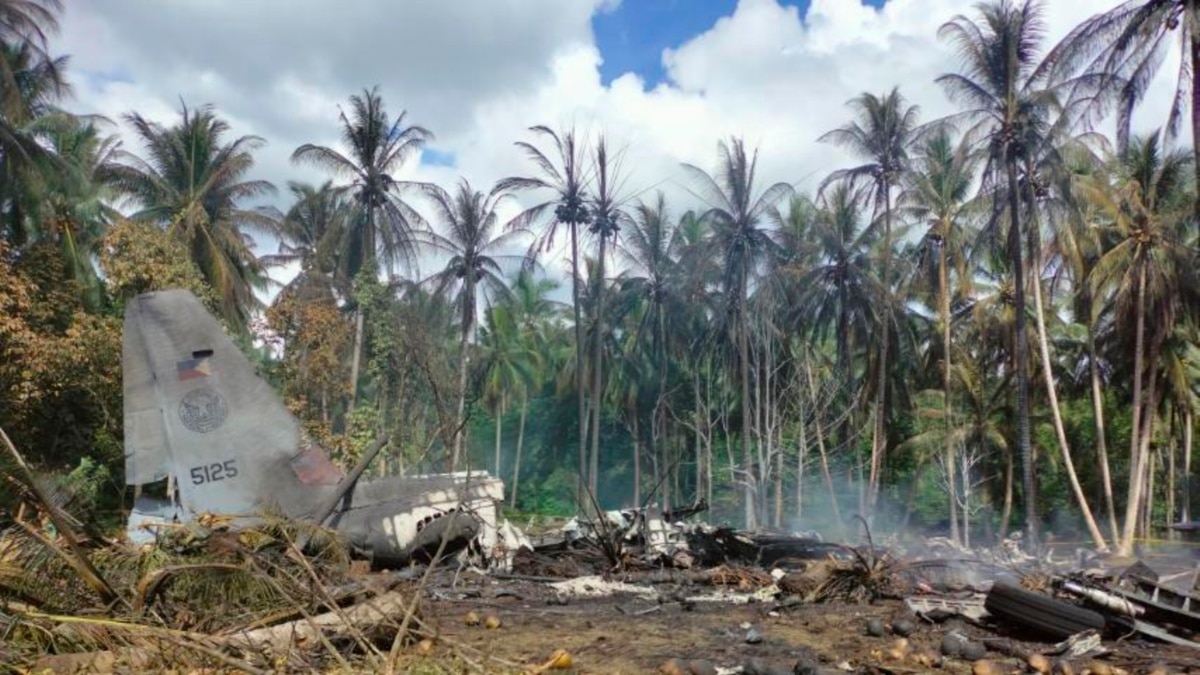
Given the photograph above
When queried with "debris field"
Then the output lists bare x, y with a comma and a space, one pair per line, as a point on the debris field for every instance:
626, 592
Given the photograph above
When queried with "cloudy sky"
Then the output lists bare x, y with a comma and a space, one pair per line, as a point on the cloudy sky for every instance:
663, 79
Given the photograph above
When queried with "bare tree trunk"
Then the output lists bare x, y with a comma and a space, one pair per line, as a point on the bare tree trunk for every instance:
763, 438
1148, 433
668, 470
1187, 464
966, 500
699, 439
778, 485
579, 377
598, 373
1194, 67
1171, 478
468, 319
637, 460
1136, 473
947, 376
1147, 524
801, 456
1024, 444
675, 462
708, 440
1101, 433
833, 502
913, 488
1051, 393
879, 437
356, 359
520, 442
1006, 510
499, 424
747, 415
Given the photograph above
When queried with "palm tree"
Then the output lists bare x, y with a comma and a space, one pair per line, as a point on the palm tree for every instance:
31, 85
1146, 275
651, 250
25, 26
881, 134
1078, 243
473, 271
839, 292
736, 213
566, 178
510, 361
311, 233
384, 224
606, 217
1125, 46
937, 191
27, 21
68, 200
535, 315
1039, 168
192, 182
1008, 100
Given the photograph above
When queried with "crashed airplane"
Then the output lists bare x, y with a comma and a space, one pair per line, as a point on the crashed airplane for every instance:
199, 417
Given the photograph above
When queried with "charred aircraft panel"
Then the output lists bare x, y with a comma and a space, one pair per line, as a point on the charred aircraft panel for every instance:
196, 410
199, 411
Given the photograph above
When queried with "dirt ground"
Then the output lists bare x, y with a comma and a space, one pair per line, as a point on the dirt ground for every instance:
628, 634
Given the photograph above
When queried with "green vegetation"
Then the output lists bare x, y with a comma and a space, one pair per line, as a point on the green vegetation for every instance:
991, 322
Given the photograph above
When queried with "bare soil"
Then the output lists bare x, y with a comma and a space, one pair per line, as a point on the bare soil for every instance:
624, 634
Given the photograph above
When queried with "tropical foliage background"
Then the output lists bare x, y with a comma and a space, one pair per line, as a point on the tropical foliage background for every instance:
988, 324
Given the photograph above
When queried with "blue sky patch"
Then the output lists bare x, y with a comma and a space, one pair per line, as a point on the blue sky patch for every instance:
435, 157
632, 37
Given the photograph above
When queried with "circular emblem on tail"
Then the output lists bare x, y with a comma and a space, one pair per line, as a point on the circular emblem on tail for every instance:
203, 410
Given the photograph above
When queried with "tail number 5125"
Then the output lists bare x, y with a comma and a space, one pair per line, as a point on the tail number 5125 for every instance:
210, 473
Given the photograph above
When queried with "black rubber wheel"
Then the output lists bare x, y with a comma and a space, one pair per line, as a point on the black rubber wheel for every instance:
1040, 613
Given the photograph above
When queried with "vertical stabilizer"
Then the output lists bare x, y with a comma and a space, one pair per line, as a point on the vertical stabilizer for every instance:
196, 408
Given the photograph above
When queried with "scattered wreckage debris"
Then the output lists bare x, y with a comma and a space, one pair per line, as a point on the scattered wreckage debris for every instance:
200, 421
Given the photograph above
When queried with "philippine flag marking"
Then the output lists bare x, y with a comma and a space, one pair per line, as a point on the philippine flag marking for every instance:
193, 368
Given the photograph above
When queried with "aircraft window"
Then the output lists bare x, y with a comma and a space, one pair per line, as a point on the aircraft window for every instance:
201, 353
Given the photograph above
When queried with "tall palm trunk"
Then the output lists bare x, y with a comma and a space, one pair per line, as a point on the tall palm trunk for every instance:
833, 502
579, 381
359, 314
499, 428
1171, 475
879, 440
468, 319
1059, 429
356, 359
1194, 54
597, 370
1147, 474
1006, 509
637, 460
1101, 433
1021, 353
658, 419
747, 420
1135, 459
947, 405
700, 455
801, 456
520, 442
1186, 515
1048, 376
